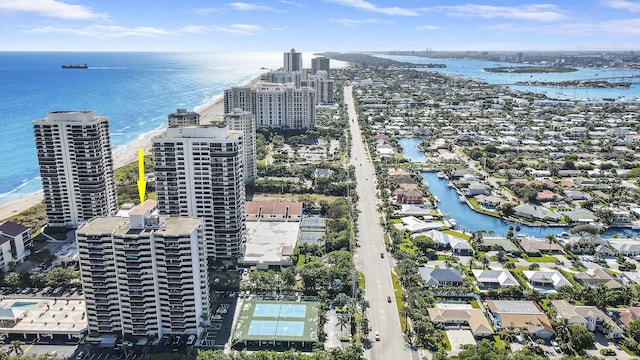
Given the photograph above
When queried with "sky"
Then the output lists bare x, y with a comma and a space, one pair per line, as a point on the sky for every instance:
318, 25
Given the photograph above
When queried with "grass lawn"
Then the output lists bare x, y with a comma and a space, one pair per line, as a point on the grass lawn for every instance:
397, 292
499, 343
541, 259
457, 234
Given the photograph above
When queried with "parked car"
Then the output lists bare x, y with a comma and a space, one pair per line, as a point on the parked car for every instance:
191, 339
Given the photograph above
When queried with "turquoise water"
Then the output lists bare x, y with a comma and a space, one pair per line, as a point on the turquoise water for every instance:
465, 216
473, 69
24, 304
135, 90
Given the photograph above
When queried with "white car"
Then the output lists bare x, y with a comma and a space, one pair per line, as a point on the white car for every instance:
191, 339
377, 336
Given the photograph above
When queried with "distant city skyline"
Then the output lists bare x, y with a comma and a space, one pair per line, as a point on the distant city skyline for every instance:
318, 25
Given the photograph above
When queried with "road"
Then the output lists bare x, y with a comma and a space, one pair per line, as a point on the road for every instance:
383, 316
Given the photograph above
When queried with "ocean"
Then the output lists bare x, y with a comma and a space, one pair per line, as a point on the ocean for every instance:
135, 90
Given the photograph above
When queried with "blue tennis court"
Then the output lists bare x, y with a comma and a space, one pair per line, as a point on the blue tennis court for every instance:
280, 310
276, 328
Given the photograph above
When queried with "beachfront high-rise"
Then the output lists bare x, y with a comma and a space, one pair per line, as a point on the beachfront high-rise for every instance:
76, 166
320, 63
182, 117
275, 105
200, 173
244, 121
145, 275
323, 86
292, 61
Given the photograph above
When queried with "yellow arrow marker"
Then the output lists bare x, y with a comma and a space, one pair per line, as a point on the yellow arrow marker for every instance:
142, 183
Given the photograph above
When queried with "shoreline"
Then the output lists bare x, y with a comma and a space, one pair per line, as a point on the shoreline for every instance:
210, 112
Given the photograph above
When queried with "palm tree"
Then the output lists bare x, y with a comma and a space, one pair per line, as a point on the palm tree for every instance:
551, 239
509, 265
485, 262
16, 346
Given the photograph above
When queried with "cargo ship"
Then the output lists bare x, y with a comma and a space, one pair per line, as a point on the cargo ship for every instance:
76, 66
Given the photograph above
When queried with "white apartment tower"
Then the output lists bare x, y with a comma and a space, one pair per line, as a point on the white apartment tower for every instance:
292, 61
76, 166
275, 105
244, 121
199, 173
323, 86
145, 275
182, 117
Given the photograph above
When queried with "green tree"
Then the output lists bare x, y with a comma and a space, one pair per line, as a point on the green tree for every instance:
59, 276
581, 338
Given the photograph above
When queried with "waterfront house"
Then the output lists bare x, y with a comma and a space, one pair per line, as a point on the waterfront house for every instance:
489, 201
385, 150
595, 277
546, 279
535, 212
520, 316
473, 318
492, 279
440, 277
444, 241
476, 188
588, 316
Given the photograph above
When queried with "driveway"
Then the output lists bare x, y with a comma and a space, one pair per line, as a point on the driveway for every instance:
457, 338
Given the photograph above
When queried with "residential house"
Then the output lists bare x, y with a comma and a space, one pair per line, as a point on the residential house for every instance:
473, 318
548, 195
535, 212
588, 316
477, 188
546, 279
624, 317
489, 201
408, 196
533, 246
444, 241
520, 316
577, 195
626, 247
595, 277
492, 279
499, 243
440, 277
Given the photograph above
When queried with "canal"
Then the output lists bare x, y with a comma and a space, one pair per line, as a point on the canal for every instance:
451, 205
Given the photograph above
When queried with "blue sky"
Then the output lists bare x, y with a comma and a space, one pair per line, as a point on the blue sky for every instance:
318, 25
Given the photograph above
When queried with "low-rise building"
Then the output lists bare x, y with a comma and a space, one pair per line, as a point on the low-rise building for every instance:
440, 277
588, 316
520, 316
546, 279
492, 279
474, 318
15, 241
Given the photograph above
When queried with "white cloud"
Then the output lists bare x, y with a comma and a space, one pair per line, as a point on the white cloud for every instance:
248, 7
623, 5
427, 27
536, 12
51, 8
365, 5
291, 3
104, 31
205, 11
357, 22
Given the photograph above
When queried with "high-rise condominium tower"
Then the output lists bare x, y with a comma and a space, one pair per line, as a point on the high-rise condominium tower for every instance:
244, 121
145, 275
275, 105
199, 173
292, 61
182, 117
319, 63
76, 166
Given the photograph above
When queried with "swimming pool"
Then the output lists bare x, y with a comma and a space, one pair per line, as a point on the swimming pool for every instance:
24, 304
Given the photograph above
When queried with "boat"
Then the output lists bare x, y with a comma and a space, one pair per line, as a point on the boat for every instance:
462, 198
441, 175
453, 222
450, 184
76, 66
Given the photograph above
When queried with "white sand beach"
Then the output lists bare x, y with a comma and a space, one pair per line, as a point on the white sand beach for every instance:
209, 113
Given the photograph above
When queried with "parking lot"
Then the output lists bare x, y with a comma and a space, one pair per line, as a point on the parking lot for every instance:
219, 332
46, 292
